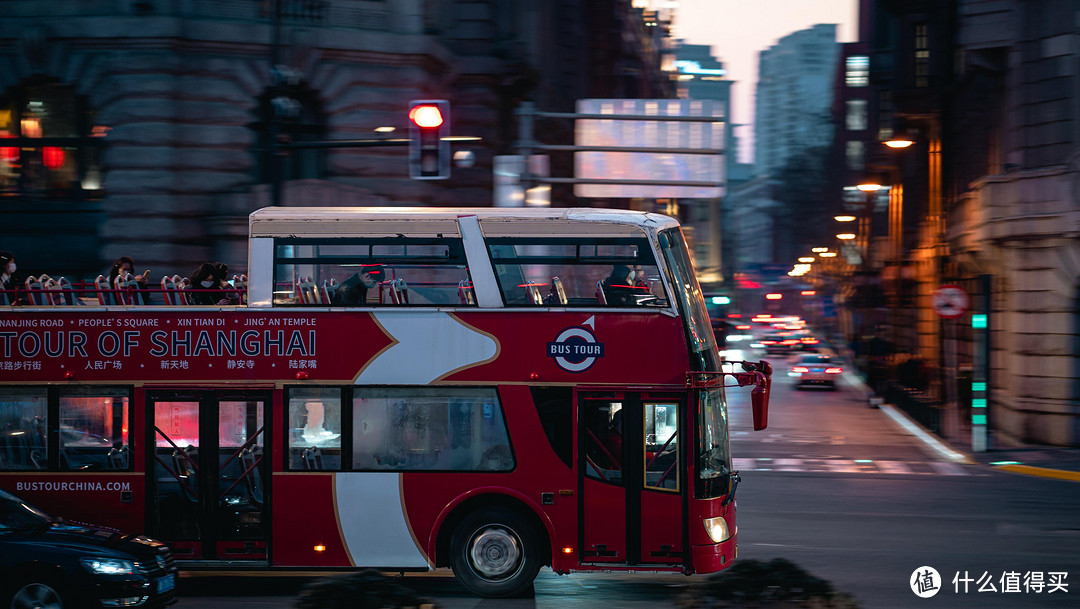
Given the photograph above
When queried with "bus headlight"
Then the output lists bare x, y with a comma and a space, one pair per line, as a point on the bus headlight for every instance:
717, 529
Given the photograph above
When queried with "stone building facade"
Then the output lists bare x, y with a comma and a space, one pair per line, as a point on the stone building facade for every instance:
162, 110
989, 90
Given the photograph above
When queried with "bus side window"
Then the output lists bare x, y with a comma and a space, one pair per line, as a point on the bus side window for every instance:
553, 405
92, 435
315, 428
23, 433
421, 428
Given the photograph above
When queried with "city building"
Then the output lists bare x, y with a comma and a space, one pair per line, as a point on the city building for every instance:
794, 92
775, 214
153, 128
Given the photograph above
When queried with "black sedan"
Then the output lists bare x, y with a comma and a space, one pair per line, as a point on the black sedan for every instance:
47, 563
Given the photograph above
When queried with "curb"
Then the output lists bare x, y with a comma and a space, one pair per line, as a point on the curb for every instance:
948, 453
1041, 472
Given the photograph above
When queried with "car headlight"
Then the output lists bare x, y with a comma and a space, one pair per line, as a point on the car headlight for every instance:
108, 566
717, 529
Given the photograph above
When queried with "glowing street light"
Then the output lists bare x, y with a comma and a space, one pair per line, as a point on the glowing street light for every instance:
846, 236
828, 254
806, 259
844, 218
818, 250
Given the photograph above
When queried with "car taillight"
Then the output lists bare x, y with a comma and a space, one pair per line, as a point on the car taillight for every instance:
790, 341
742, 327
833, 370
810, 341
800, 369
768, 342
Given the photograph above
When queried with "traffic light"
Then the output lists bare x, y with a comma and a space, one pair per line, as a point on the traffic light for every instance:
429, 153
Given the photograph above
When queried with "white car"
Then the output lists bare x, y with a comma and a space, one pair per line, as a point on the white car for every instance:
815, 369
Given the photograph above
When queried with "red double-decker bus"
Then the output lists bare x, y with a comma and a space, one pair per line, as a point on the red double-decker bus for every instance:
492, 390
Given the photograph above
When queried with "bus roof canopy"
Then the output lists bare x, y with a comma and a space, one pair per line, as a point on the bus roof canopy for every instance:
443, 221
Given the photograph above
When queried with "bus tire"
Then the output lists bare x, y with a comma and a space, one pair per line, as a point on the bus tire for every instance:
35, 593
494, 553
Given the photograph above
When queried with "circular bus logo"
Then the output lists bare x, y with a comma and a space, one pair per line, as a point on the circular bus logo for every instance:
575, 349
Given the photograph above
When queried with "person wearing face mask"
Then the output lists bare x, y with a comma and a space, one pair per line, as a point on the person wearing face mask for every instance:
207, 283
125, 265
619, 286
9, 284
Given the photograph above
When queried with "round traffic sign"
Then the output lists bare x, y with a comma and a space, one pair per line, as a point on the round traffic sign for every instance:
950, 301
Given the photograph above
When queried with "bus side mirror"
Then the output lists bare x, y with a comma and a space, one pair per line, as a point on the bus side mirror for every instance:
759, 396
759, 401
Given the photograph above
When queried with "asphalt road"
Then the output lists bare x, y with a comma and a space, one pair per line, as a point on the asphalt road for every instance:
837, 488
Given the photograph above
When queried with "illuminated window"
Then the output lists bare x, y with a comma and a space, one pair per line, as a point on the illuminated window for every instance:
49, 144
922, 55
856, 114
858, 71
885, 116
856, 155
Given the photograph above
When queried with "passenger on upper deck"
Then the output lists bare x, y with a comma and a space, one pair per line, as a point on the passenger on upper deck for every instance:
123, 265
619, 287
353, 291
8, 281
208, 286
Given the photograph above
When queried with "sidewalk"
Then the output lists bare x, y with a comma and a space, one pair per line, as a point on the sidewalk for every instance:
1027, 459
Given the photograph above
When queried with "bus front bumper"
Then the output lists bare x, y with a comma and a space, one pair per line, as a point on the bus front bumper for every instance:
713, 557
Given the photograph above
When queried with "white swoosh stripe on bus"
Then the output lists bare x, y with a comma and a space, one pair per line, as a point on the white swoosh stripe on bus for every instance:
430, 345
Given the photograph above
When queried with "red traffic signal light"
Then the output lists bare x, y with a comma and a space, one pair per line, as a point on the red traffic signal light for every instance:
426, 116
429, 152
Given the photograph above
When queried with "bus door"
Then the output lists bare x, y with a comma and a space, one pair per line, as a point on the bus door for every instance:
631, 478
209, 475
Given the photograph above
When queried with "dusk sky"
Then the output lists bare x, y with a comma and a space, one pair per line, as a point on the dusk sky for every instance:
738, 30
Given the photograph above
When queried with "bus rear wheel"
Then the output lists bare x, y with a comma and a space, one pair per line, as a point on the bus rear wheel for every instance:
494, 553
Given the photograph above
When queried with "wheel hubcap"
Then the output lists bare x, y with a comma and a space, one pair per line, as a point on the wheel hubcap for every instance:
495, 552
36, 596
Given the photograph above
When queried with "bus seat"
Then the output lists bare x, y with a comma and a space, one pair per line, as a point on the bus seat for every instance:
305, 290
466, 294
239, 282
35, 290
249, 462
558, 290
399, 291
37, 458
329, 289
118, 458
312, 458
533, 295
127, 290
64, 292
600, 296
168, 286
104, 292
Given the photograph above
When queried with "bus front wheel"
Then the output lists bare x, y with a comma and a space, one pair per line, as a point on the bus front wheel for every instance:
494, 553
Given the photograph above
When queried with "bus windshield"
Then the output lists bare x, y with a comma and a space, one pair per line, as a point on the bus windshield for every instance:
703, 351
